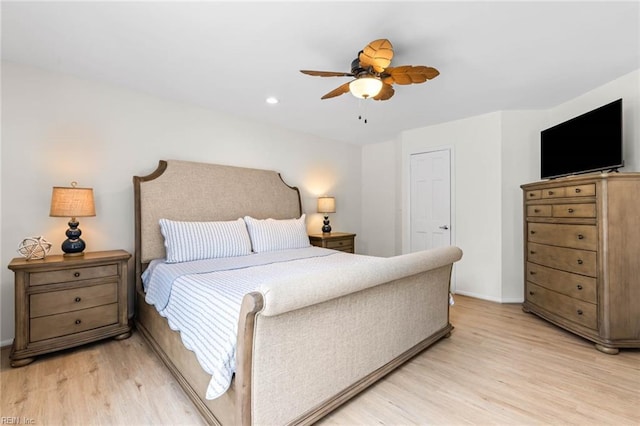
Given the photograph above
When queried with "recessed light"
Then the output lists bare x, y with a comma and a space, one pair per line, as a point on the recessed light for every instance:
272, 100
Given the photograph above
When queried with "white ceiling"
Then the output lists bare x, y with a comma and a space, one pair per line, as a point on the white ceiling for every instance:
230, 56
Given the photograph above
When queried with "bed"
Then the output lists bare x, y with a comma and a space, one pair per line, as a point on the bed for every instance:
304, 343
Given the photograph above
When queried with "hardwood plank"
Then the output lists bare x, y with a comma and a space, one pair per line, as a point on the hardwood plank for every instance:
500, 366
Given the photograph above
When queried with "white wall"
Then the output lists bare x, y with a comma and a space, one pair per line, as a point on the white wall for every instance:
380, 208
626, 87
57, 128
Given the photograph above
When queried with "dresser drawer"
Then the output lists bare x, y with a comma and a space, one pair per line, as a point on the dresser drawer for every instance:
588, 190
539, 210
74, 274
73, 322
558, 192
572, 285
555, 234
578, 311
574, 210
579, 261
56, 302
535, 194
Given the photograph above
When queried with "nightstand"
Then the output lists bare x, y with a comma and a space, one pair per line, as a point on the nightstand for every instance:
67, 301
335, 240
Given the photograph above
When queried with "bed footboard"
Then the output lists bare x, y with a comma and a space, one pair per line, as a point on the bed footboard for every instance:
314, 347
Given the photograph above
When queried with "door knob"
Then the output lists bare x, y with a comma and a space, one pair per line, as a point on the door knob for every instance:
444, 227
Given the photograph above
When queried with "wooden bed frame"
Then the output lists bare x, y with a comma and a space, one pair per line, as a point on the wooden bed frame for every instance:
386, 314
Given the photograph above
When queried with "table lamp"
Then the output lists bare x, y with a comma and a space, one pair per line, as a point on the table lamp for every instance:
72, 202
326, 205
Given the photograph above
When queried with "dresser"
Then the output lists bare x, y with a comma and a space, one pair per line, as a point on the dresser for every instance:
66, 301
582, 256
335, 240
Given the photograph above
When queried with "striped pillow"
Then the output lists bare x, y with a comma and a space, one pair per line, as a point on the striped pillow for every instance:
273, 234
187, 241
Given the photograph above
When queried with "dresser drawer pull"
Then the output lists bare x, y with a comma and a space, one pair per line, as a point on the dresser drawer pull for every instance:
579, 311
578, 190
580, 237
531, 194
570, 210
76, 274
532, 252
550, 193
536, 210
531, 293
580, 262
532, 272
78, 322
77, 299
532, 232
579, 287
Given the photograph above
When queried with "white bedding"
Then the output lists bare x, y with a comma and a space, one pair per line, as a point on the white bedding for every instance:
202, 299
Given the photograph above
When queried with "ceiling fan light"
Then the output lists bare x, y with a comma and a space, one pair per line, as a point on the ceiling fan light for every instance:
365, 87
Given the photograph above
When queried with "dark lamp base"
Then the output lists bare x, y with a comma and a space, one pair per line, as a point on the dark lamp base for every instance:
326, 228
73, 245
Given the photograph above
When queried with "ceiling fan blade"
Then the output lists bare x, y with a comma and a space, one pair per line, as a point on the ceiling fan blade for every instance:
377, 54
326, 73
337, 91
385, 93
409, 74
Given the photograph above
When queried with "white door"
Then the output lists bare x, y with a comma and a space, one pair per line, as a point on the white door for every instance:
430, 200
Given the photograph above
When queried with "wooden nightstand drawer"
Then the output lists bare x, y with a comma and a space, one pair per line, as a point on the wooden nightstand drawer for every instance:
56, 302
75, 274
340, 244
335, 241
72, 322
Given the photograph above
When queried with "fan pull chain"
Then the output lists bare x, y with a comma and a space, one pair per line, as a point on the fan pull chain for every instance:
362, 115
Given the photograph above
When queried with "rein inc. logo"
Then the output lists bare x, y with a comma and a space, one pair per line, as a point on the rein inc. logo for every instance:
5, 420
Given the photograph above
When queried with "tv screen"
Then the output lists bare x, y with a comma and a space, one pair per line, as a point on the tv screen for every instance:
587, 143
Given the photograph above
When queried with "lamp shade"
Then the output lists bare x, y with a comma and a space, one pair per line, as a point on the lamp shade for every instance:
365, 87
326, 205
72, 202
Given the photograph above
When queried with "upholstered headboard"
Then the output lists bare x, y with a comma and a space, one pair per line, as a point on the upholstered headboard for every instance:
191, 191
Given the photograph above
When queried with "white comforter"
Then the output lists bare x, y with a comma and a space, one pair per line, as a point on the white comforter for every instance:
202, 299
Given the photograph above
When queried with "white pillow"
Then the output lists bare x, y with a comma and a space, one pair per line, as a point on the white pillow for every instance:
187, 241
274, 234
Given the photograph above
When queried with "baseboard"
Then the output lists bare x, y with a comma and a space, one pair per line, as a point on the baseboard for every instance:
490, 299
5, 343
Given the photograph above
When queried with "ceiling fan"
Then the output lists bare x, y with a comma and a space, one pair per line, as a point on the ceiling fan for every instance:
373, 75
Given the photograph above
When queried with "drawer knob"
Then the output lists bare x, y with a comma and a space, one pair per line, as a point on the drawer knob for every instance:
76, 274
578, 190
78, 322
536, 210
532, 232
550, 192
579, 311
580, 237
579, 287
77, 299
531, 194
532, 272
580, 262
570, 210
532, 252
531, 293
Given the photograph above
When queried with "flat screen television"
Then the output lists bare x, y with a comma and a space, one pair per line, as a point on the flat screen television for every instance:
587, 143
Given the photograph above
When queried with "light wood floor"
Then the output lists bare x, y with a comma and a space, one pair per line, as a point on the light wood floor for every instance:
500, 366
